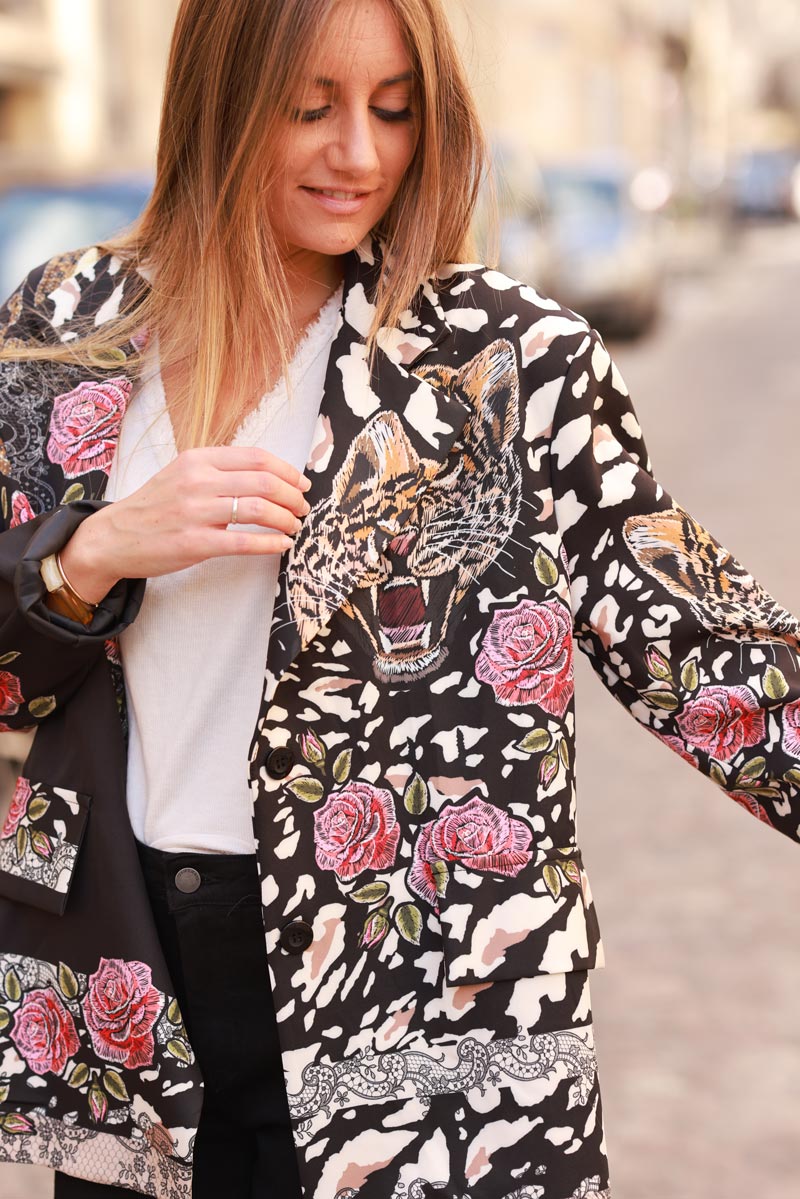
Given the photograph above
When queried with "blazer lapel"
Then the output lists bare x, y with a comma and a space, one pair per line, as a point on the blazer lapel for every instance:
380, 440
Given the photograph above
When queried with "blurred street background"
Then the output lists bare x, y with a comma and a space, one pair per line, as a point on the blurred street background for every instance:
647, 162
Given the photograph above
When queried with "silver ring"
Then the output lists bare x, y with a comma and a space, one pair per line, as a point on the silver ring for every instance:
234, 511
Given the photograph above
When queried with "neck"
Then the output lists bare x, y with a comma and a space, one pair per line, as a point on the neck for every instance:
311, 278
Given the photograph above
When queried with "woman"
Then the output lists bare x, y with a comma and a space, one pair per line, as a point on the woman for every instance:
387, 940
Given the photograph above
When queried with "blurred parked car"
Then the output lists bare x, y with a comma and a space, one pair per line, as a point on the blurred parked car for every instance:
514, 232
765, 184
605, 227
38, 220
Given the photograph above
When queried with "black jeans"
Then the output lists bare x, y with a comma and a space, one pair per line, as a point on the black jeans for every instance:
213, 940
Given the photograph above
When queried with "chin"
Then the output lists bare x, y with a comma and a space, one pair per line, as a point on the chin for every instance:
341, 242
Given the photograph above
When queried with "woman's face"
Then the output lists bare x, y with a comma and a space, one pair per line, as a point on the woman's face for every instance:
350, 138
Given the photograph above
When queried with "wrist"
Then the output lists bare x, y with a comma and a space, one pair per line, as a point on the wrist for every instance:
85, 560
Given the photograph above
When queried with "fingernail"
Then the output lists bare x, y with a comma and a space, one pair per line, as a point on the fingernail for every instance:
306, 508
304, 483
286, 543
297, 526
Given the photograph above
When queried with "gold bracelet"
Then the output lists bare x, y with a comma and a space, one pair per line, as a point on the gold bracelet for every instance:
61, 597
70, 587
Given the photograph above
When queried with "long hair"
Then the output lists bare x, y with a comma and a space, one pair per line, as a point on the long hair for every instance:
205, 233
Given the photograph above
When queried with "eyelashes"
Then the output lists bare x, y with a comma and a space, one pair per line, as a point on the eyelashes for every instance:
389, 115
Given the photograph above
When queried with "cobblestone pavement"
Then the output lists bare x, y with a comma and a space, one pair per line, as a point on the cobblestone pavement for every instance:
697, 1010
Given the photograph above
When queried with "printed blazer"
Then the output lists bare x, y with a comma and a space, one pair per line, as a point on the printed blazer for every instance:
481, 503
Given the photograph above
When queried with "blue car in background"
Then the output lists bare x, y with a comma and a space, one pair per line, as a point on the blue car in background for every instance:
38, 220
607, 244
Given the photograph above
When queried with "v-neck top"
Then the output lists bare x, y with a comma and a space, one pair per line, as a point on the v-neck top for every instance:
194, 658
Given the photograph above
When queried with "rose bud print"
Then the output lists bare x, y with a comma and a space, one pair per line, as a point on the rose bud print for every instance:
312, 749
84, 426
41, 844
526, 656
120, 1008
44, 1032
376, 926
722, 720
356, 830
15, 1123
657, 664
98, 1103
548, 769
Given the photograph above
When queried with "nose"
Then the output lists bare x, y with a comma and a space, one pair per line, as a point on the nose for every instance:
352, 150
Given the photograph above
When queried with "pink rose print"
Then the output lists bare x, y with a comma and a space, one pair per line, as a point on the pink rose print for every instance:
749, 801
19, 802
526, 656
476, 834
120, 1008
722, 720
44, 1032
84, 426
791, 728
10, 695
21, 509
479, 835
356, 830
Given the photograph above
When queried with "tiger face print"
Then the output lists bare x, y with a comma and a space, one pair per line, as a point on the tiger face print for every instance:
428, 532
685, 559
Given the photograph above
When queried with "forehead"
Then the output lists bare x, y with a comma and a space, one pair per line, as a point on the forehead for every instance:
362, 42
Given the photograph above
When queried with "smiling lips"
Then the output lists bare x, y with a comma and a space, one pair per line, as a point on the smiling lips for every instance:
337, 195
338, 200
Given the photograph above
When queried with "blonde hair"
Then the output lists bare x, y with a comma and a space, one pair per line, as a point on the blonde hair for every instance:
205, 233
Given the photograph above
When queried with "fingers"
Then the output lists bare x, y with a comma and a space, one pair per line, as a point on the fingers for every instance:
250, 458
235, 541
253, 510
264, 485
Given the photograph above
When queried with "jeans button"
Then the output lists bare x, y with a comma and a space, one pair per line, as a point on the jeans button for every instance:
279, 762
296, 937
187, 880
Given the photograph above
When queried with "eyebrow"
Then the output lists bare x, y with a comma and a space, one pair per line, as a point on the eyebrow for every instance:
406, 77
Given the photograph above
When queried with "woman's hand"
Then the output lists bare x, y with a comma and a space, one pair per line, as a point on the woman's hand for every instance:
179, 517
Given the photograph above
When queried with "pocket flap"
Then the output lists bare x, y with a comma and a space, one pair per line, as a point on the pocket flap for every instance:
540, 921
39, 844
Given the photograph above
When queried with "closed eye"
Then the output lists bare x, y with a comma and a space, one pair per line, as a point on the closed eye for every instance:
384, 114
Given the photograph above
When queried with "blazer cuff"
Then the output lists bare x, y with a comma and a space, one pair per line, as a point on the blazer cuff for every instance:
114, 612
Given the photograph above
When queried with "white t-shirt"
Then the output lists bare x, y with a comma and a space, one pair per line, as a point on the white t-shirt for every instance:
194, 658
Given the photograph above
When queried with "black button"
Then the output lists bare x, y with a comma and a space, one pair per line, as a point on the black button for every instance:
297, 936
187, 880
279, 762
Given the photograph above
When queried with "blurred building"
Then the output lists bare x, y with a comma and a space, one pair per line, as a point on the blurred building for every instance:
80, 84
681, 84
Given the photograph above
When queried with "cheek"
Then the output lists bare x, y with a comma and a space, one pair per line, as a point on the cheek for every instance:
399, 154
